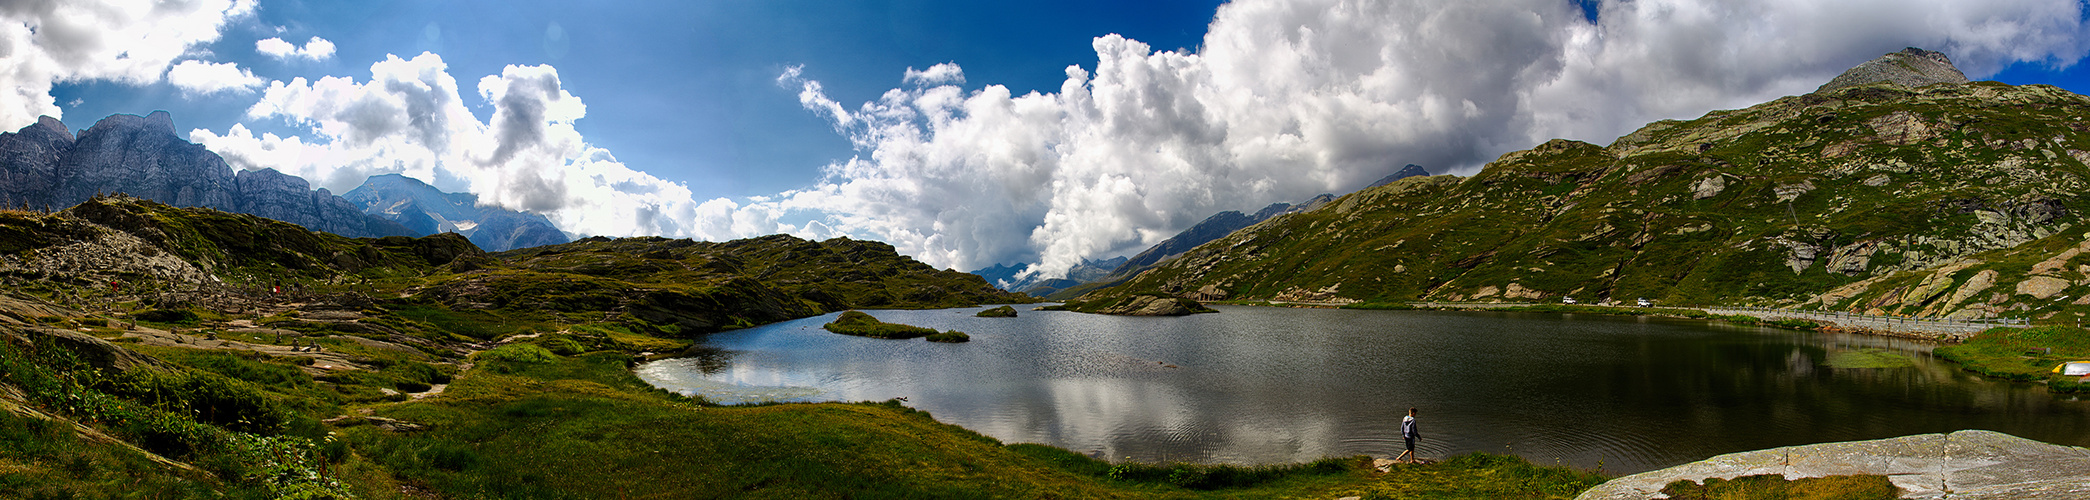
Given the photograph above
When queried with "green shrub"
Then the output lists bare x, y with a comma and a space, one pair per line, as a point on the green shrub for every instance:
952, 336
519, 353
562, 346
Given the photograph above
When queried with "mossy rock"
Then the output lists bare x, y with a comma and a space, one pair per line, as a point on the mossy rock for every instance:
998, 312
859, 324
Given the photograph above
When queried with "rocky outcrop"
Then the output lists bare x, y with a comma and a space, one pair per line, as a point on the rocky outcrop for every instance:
415, 204
1912, 68
44, 166
29, 164
1967, 464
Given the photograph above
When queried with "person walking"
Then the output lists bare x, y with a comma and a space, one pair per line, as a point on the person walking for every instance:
1409, 434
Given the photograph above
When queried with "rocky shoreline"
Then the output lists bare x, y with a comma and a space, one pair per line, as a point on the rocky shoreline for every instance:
1967, 464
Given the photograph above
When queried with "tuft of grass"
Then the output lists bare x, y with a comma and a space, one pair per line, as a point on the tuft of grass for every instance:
519, 353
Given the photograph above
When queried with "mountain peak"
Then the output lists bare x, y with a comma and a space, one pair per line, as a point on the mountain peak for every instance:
1911, 67
1412, 170
54, 126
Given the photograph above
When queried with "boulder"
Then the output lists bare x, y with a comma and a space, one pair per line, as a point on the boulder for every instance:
1964, 464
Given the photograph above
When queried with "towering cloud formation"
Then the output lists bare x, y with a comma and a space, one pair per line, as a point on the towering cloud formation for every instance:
409, 118
48, 41
1289, 98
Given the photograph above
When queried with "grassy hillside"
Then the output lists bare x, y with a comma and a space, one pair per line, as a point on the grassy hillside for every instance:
1873, 198
154, 352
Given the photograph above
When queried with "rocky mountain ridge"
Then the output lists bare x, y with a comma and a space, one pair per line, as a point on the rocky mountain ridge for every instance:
1911, 67
1952, 199
427, 210
46, 167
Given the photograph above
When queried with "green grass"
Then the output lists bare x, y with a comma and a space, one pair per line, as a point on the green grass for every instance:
1775, 487
1473, 476
233, 431
42, 458
2025, 354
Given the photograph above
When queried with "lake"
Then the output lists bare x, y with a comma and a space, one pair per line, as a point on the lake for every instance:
1257, 385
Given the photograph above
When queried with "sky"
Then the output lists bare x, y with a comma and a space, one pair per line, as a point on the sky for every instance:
965, 133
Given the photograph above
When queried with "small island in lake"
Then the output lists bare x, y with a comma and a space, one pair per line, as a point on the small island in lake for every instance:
998, 312
861, 324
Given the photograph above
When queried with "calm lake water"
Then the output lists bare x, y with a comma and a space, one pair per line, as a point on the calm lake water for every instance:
1254, 385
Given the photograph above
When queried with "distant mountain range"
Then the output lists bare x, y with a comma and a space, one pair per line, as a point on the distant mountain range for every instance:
45, 167
1006, 276
424, 209
1093, 273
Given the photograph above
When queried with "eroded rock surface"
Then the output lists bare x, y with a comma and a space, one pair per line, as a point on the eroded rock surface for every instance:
1966, 464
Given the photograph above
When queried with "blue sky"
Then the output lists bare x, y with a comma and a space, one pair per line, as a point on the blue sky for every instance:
683, 90
965, 133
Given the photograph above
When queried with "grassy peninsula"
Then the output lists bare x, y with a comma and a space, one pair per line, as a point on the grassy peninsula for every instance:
2025, 354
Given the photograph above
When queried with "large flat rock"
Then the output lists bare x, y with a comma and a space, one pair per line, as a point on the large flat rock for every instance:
1969, 464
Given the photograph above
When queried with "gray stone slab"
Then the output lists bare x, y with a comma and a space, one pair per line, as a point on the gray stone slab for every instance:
1966, 464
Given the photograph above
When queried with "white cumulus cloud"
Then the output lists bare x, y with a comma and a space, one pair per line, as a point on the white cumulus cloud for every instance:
316, 49
43, 42
200, 78
1286, 99
409, 118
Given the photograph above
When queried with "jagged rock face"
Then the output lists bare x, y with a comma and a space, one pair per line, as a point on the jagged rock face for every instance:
141, 156
417, 205
29, 163
1912, 68
289, 198
45, 166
